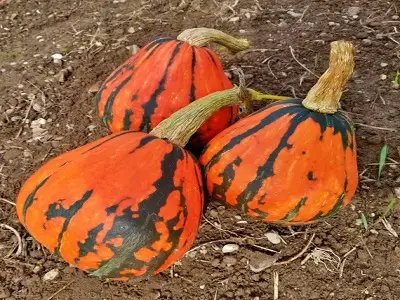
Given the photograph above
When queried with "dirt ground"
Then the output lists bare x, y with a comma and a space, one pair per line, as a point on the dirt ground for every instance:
47, 108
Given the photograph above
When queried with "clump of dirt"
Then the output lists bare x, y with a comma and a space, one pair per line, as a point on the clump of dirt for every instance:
46, 108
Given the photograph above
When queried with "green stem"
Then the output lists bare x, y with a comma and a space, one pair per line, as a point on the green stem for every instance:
201, 37
181, 125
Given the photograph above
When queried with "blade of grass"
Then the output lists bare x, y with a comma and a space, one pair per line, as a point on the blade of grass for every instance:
390, 207
382, 160
396, 79
364, 221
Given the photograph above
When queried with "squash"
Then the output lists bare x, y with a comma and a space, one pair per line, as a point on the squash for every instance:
294, 161
126, 205
164, 76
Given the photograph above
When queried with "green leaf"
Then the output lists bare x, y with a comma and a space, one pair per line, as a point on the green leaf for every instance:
382, 159
389, 208
396, 78
364, 221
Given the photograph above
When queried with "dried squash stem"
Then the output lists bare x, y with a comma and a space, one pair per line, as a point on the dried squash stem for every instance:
202, 36
324, 96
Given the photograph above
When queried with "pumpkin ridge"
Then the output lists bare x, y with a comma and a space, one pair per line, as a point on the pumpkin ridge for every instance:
144, 141
150, 106
269, 119
266, 170
192, 86
109, 139
88, 245
129, 65
293, 212
337, 206
108, 115
31, 198
127, 119
211, 56
56, 210
158, 41
146, 210
228, 174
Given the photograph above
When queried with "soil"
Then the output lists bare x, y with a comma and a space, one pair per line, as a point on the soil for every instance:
47, 108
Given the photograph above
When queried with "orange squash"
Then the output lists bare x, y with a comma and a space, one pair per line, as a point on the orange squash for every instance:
294, 161
164, 76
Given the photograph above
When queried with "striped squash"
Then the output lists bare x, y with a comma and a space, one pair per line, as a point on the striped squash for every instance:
164, 76
294, 161
127, 205
123, 206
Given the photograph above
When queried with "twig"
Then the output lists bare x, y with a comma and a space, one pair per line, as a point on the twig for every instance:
276, 285
239, 240
366, 247
265, 249
220, 228
302, 65
270, 70
304, 12
38, 89
341, 268
7, 201
284, 262
60, 290
216, 293
376, 127
19, 250
390, 38
26, 117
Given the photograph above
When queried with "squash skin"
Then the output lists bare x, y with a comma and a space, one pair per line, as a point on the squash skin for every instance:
164, 76
112, 209
284, 164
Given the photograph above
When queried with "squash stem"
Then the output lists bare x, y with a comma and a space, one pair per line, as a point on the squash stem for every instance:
257, 96
181, 125
203, 36
324, 96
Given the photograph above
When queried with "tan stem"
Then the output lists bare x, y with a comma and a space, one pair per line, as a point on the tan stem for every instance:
324, 96
203, 36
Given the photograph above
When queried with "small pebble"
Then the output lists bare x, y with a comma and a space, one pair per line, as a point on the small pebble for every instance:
261, 261
353, 10
213, 213
383, 77
384, 65
294, 14
397, 192
202, 287
273, 237
51, 275
229, 248
131, 30
95, 88
234, 19
229, 260
366, 42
